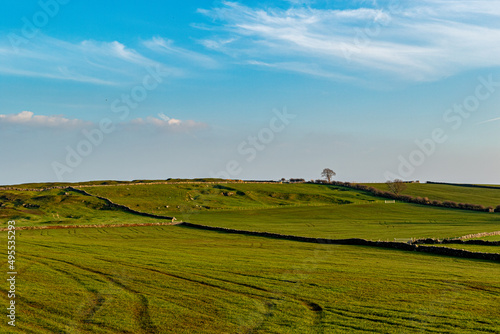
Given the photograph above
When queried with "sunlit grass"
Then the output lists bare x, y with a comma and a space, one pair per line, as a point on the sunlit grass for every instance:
180, 280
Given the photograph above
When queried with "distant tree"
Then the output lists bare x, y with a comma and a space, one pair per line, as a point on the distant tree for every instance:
283, 179
397, 186
297, 180
328, 174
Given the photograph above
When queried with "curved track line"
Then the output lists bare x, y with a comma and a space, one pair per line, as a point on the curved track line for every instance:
143, 316
96, 302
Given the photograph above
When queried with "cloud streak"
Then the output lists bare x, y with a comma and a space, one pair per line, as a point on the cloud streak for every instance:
93, 62
489, 121
166, 46
416, 41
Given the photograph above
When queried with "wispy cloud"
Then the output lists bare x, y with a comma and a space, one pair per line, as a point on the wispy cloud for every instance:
30, 119
166, 46
489, 121
95, 62
416, 41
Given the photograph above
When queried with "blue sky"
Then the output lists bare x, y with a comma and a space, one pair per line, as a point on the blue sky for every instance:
249, 90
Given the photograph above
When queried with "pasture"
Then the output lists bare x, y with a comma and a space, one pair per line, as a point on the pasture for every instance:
444, 192
300, 209
180, 280
176, 279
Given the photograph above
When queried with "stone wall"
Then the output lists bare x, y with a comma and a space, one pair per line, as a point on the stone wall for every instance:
357, 242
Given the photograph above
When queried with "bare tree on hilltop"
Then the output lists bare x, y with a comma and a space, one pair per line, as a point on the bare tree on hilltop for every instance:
397, 186
328, 174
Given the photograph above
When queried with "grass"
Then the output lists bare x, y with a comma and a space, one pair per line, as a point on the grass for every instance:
171, 199
472, 248
107, 182
180, 280
300, 209
455, 193
369, 221
59, 207
491, 238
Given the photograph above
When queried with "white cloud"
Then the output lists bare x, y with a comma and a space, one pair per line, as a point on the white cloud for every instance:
170, 123
29, 118
414, 40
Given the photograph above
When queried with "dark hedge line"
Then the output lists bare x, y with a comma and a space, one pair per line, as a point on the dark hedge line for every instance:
456, 241
466, 185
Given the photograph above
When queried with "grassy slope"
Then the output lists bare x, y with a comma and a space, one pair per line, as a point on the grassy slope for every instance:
58, 207
104, 182
235, 196
301, 209
180, 280
439, 192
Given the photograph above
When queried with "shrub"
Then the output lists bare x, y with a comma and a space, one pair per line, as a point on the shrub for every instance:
406, 198
450, 204
419, 200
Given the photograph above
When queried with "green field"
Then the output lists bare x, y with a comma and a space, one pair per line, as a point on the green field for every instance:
301, 209
491, 238
174, 199
180, 280
473, 248
60, 207
370, 221
175, 279
455, 193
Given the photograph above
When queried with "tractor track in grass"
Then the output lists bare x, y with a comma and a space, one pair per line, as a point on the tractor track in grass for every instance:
315, 309
96, 302
318, 313
377, 319
254, 296
142, 314
48, 313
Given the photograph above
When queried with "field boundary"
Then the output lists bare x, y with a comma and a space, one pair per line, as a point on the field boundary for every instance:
463, 240
355, 242
465, 185
479, 235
